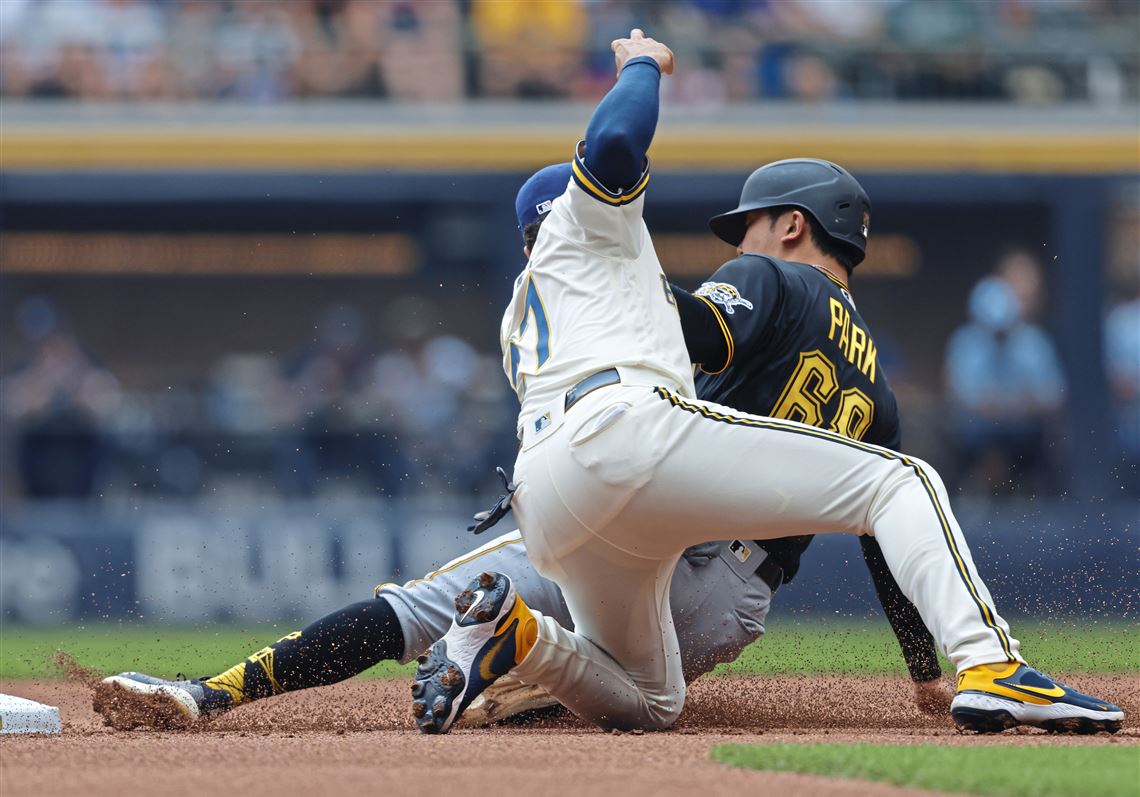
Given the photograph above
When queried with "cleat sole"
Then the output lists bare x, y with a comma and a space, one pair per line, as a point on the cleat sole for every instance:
447, 680
982, 712
438, 683
1080, 725
463, 601
980, 721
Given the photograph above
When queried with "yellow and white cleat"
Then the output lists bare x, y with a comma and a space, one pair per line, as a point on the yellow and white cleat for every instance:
993, 697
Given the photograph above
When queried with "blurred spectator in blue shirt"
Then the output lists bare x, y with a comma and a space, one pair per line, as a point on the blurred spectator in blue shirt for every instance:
1006, 383
1122, 364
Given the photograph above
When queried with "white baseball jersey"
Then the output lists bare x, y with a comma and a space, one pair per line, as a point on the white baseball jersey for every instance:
592, 297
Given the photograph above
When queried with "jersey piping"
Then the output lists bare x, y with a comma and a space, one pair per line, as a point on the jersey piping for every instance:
730, 346
592, 186
808, 431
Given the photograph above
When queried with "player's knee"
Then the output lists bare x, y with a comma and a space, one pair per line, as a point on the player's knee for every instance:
925, 472
664, 710
911, 469
664, 718
657, 713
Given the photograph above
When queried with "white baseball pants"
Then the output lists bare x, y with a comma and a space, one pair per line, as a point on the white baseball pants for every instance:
610, 495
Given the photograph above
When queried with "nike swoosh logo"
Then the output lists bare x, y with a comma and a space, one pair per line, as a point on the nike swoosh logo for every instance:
478, 599
1054, 691
485, 663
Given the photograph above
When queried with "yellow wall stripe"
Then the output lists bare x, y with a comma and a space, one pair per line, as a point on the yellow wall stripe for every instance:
330, 148
809, 431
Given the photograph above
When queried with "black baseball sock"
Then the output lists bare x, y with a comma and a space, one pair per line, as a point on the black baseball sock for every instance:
335, 647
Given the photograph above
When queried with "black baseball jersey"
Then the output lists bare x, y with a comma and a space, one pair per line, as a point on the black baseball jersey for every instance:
785, 340
797, 350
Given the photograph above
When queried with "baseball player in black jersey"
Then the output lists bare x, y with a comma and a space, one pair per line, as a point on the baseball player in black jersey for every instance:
783, 339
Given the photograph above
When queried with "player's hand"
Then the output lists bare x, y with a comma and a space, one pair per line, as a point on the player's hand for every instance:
933, 697
703, 554
639, 44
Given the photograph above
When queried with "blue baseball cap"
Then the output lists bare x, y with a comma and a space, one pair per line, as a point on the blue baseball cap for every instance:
540, 189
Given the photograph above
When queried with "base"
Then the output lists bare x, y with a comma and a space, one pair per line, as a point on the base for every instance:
19, 715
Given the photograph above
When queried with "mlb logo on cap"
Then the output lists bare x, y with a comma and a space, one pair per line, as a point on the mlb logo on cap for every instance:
536, 197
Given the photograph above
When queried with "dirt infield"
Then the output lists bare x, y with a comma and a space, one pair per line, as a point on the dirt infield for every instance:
359, 737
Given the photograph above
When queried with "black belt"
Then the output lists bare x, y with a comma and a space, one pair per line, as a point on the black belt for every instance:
771, 572
605, 378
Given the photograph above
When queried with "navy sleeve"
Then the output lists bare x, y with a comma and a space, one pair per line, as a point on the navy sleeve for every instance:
744, 295
704, 337
623, 124
915, 640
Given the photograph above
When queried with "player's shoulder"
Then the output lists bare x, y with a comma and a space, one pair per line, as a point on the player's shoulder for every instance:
748, 274
742, 282
750, 265
808, 284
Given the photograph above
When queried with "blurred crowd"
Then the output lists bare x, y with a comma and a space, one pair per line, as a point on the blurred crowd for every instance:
1029, 51
426, 413
423, 413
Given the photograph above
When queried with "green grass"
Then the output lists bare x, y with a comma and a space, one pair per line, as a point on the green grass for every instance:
159, 650
1006, 771
792, 647
796, 647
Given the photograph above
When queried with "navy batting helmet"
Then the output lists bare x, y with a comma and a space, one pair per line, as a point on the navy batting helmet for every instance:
828, 192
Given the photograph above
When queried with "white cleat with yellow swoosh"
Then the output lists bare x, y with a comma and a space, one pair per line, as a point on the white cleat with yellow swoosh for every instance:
993, 697
491, 632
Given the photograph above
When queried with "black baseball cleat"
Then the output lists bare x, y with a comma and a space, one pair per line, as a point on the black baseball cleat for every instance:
132, 700
991, 700
491, 632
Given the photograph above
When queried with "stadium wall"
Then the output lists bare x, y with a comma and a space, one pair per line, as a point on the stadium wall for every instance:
193, 562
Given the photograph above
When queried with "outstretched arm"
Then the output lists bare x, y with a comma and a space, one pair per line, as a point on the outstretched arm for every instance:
622, 127
931, 693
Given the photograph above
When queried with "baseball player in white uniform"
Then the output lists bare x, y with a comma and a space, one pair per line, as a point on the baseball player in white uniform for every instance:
621, 468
